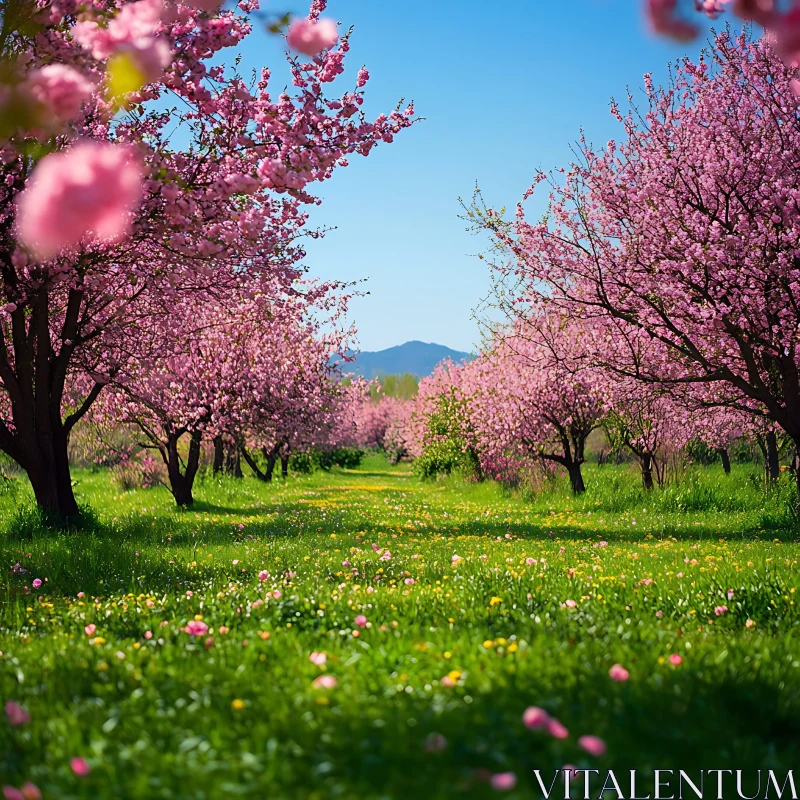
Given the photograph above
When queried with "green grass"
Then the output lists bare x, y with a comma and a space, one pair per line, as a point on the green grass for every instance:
170, 717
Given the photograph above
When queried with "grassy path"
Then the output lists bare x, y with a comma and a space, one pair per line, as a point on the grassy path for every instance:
442, 611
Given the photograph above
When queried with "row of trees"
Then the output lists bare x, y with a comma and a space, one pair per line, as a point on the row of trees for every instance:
153, 205
659, 294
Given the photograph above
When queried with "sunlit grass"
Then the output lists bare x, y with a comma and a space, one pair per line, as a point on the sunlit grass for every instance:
475, 589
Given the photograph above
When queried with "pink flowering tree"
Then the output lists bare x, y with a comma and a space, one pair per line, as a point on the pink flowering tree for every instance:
528, 404
676, 20
110, 221
297, 394
250, 367
443, 436
384, 424
647, 423
686, 234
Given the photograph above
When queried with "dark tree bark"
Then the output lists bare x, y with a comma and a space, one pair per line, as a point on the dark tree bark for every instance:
219, 455
284, 465
33, 376
251, 462
272, 458
233, 462
398, 456
646, 462
576, 478
573, 447
725, 458
768, 444
181, 478
773, 466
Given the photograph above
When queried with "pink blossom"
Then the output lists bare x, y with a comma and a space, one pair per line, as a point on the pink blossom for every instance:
12, 793
592, 745
36, 583
409, 581
263, 575
90, 629
277, 594
324, 682
619, 673
148, 634
720, 610
60, 88
503, 781
386, 556
556, 729
662, 18
318, 658
311, 37
196, 627
150, 57
730, 594
136, 22
360, 621
570, 603
30, 791
16, 714
84, 193
675, 660
80, 767
535, 718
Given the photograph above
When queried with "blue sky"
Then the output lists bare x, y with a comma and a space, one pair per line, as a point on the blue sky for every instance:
505, 86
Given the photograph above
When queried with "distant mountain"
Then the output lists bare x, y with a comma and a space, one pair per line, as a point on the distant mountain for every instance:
418, 358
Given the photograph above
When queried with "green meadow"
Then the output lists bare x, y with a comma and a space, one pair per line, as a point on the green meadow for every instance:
172, 650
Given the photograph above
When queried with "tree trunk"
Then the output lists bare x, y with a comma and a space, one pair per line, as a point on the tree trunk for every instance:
647, 471
725, 458
272, 458
233, 462
284, 465
47, 466
33, 378
797, 484
251, 462
576, 477
181, 483
772, 465
219, 455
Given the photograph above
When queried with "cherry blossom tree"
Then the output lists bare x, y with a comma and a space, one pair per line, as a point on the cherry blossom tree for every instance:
384, 424
686, 234
529, 404
297, 390
442, 433
647, 423
668, 18
110, 219
250, 368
